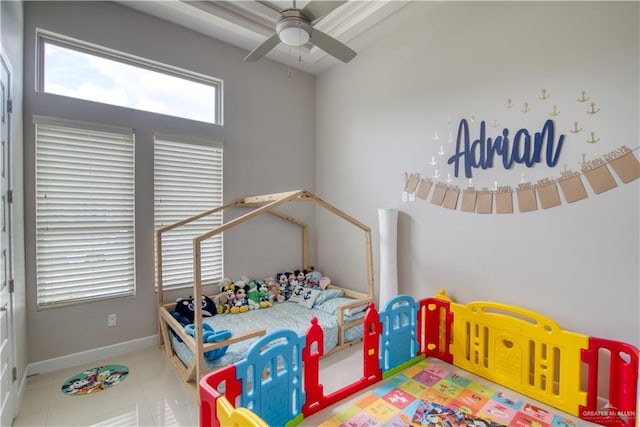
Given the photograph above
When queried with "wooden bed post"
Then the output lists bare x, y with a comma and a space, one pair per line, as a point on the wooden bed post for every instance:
197, 307
369, 256
159, 282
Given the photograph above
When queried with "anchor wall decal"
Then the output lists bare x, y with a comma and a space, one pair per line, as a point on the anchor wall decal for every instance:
555, 111
593, 109
544, 95
575, 128
526, 108
584, 97
593, 139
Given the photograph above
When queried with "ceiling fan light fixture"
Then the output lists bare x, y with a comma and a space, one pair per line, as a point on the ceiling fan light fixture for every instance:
293, 31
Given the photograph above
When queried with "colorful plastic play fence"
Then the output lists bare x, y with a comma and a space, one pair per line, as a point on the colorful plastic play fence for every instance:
278, 381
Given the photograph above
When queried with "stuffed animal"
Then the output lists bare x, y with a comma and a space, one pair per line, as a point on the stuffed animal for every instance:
210, 335
285, 287
301, 276
257, 298
241, 303
263, 290
313, 279
316, 280
227, 287
293, 280
222, 303
324, 282
186, 309
273, 290
252, 295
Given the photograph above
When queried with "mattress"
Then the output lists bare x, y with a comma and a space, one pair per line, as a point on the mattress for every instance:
286, 315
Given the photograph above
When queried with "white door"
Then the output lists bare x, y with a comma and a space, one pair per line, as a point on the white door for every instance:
7, 363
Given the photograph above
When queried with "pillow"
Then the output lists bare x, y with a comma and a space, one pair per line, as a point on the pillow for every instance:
297, 294
304, 296
349, 318
308, 297
331, 306
355, 310
327, 295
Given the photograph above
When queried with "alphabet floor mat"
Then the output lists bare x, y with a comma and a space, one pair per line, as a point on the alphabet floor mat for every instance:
433, 393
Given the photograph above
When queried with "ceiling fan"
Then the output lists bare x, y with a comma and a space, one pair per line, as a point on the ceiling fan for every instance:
294, 27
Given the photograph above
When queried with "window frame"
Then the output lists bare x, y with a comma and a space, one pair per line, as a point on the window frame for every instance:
43, 37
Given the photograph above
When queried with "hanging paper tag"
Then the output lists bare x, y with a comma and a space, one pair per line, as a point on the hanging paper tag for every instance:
423, 188
438, 194
451, 197
526, 197
504, 200
572, 186
468, 200
548, 193
624, 164
484, 203
598, 176
412, 183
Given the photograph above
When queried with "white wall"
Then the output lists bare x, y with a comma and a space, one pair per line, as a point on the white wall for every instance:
439, 61
268, 136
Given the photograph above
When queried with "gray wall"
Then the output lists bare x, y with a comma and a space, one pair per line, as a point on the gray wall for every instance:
443, 61
268, 136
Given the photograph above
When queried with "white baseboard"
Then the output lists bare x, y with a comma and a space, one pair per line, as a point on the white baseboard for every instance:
89, 356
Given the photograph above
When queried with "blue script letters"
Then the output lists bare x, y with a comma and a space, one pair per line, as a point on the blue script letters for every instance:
480, 152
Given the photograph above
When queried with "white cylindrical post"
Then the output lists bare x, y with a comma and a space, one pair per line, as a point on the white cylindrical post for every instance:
388, 224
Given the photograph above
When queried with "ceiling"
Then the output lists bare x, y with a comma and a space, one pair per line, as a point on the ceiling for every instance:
247, 23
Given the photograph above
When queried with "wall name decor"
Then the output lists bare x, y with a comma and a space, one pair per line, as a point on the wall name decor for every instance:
481, 152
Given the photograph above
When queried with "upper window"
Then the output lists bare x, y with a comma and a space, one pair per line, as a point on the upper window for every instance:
79, 70
84, 213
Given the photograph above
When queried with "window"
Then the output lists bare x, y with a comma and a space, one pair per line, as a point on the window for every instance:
79, 70
84, 213
188, 181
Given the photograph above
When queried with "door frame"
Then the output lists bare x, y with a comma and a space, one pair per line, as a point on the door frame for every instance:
13, 403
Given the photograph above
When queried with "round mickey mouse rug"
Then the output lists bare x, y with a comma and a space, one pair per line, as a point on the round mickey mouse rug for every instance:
94, 380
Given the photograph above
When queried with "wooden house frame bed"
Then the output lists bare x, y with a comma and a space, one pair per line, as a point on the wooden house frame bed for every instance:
258, 205
512, 347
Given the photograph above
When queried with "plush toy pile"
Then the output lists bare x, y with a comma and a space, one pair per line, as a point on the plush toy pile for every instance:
245, 294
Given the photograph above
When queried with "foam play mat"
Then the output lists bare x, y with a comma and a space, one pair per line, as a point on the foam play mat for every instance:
94, 380
431, 393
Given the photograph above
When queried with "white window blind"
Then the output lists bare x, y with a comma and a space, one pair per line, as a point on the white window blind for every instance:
84, 214
188, 181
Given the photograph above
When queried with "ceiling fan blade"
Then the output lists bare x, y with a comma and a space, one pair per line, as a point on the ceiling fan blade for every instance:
332, 46
315, 10
263, 49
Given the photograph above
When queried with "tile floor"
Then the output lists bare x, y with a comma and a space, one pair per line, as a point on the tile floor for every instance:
151, 395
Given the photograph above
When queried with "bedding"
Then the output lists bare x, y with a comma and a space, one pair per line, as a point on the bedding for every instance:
290, 314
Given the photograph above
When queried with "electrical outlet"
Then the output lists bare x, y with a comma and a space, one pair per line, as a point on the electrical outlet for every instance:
112, 320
